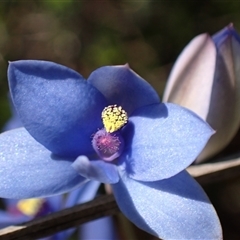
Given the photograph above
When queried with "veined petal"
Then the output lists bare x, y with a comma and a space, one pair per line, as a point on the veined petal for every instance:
121, 85
191, 79
225, 92
175, 208
161, 140
56, 105
96, 170
29, 170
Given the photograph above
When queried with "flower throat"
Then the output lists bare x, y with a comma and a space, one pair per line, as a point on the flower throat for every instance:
108, 142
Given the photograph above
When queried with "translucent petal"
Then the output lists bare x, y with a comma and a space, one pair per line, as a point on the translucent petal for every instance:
29, 170
56, 105
98, 170
175, 208
224, 105
120, 85
161, 140
191, 79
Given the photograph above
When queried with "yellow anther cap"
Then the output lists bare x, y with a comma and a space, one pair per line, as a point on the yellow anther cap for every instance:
30, 207
114, 117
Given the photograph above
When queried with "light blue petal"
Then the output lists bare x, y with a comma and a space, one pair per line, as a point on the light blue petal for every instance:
55, 203
161, 140
7, 219
120, 85
28, 170
100, 229
56, 105
96, 170
175, 208
83, 194
220, 37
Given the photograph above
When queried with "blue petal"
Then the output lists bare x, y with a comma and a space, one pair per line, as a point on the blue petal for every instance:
7, 219
225, 33
120, 85
96, 170
83, 194
56, 105
175, 208
10, 203
161, 140
28, 170
55, 202
101, 229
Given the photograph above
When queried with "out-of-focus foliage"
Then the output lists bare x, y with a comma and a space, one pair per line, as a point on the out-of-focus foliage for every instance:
87, 34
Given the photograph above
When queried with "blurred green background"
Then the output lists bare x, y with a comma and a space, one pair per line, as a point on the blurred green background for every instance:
84, 35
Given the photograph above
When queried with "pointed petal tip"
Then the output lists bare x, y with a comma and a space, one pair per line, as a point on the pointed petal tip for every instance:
126, 65
228, 32
231, 30
114, 82
183, 137
194, 65
230, 25
213, 131
18, 62
123, 66
161, 216
10, 64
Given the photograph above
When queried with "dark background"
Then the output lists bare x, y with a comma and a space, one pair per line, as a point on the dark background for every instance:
85, 35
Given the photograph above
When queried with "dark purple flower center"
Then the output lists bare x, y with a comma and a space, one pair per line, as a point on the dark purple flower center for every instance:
108, 142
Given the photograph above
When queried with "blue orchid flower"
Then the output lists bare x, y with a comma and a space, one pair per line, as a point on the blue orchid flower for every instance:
111, 128
17, 212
